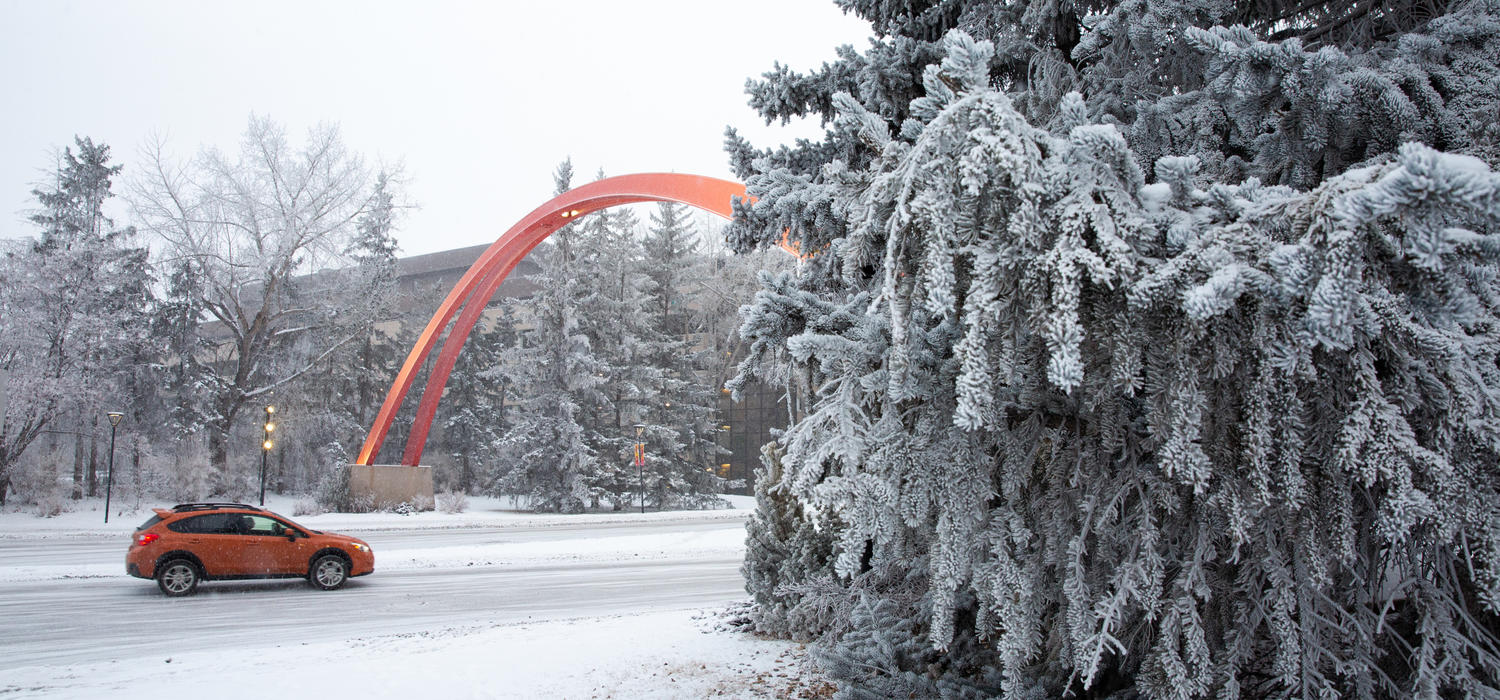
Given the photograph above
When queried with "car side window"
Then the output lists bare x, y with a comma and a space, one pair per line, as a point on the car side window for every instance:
207, 524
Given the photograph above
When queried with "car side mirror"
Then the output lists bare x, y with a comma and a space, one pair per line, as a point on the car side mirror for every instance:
291, 535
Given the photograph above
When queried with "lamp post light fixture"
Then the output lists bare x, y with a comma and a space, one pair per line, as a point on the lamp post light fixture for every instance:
265, 449
109, 477
640, 462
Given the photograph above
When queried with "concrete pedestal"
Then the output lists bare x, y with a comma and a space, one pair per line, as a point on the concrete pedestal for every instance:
388, 485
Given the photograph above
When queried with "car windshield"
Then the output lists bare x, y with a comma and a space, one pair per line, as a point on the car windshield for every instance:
149, 522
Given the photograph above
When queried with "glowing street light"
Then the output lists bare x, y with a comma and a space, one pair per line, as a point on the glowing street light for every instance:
265, 449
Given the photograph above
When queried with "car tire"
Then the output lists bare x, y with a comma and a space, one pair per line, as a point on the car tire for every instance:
177, 578
328, 572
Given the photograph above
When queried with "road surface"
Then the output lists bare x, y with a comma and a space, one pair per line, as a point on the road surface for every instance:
64, 620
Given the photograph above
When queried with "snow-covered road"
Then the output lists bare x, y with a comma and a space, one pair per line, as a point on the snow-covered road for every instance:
66, 600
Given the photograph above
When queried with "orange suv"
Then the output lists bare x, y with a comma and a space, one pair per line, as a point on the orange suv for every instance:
195, 542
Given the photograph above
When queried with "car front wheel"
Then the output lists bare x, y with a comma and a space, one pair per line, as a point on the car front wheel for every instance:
328, 572
177, 578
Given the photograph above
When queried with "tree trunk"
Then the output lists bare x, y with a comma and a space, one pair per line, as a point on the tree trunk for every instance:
78, 461
218, 459
5, 467
93, 475
135, 470
364, 407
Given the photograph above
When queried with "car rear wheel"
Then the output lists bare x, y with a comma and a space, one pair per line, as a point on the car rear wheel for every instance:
328, 572
177, 578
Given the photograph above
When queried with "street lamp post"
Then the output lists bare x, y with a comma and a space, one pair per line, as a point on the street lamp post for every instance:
265, 449
640, 462
109, 477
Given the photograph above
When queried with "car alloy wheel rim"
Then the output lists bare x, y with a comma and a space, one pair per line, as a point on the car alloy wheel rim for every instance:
179, 578
330, 572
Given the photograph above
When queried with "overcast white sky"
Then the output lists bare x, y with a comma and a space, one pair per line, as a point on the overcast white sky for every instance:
478, 101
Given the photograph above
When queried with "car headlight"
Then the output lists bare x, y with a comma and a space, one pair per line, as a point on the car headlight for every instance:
360, 547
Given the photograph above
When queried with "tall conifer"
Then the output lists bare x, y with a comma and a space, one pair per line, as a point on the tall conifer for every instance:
1146, 346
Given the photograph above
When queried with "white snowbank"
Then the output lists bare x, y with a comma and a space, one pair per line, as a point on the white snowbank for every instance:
86, 517
677, 545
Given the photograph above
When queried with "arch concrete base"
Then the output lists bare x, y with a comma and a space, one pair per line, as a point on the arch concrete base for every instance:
386, 486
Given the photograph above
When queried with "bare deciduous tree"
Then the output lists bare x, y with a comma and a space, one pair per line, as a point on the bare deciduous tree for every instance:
249, 225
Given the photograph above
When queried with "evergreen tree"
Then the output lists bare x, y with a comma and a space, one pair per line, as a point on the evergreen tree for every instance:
325, 412
375, 300
72, 315
669, 246
680, 420
788, 551
175, 323
548, 447
473, 416
1144, 389
618, 326
596, 360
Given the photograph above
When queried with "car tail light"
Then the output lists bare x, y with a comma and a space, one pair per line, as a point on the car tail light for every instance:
146, 538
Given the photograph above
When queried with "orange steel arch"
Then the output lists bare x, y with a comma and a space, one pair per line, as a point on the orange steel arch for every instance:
474, 289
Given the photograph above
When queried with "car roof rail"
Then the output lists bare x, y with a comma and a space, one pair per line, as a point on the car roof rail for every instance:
184, 507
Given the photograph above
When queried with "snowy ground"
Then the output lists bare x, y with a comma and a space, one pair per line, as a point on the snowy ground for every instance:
488, 603
648, 655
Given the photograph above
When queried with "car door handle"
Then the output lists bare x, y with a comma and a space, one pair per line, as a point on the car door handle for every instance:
195, 541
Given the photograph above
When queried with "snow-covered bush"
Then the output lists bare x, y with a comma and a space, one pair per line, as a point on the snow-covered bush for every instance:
452, 502
306, 506
37, 479
50, 505
180, 476
1127, 429
333, 494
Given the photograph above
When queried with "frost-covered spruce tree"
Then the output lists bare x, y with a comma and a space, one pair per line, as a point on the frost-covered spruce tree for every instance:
375, 298
619, 330
680, 432
549, 446
472, 415
1128, 429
